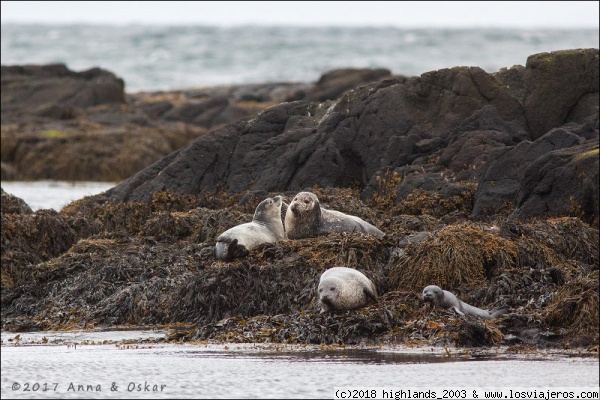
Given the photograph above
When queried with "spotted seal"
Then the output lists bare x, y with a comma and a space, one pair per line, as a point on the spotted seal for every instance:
266, 227
343, 288
443, 298
306, 218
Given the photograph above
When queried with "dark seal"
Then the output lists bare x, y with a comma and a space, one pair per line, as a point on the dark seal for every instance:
443, 298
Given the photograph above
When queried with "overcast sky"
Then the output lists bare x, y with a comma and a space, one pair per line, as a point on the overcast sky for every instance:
534, 14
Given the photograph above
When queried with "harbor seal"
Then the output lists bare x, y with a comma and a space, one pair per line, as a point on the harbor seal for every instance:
443, 298
306, 218
343, 288
266, 227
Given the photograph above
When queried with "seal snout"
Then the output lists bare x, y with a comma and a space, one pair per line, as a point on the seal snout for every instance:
294, 207
325, 299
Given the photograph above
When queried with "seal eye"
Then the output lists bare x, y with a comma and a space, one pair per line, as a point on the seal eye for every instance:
306, 201
332, 289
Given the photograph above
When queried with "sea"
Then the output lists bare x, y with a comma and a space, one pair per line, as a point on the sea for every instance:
154, 58
128, 364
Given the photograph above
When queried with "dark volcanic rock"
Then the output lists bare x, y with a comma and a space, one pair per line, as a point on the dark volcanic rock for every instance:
51, 90
299, 144
334, 83
555, 84
434, 131
514, 79
569, 173
552, 175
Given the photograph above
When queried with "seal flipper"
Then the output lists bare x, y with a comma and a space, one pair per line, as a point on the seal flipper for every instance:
236, 250
370, 293
227, 249
496, 312
458, 311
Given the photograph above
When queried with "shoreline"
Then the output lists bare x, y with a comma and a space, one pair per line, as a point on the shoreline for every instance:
135, 338
484, 184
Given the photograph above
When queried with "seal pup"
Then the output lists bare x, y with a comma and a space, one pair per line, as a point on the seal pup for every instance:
266, 227
443, 298
343, 288
306, 218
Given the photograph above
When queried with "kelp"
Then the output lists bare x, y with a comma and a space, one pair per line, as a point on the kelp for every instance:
103, 264
456, 255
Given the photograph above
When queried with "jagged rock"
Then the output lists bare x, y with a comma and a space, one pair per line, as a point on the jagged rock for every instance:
52, 90
558, 82
299, 144
437, 132
334, 83
550, 176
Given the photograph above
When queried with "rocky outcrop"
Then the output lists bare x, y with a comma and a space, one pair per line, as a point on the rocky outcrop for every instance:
54, 91
333, 84
560, 87
104, 264
434, 131
439, 132
87, 128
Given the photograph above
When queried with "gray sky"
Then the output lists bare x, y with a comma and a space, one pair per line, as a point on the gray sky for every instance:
523, 14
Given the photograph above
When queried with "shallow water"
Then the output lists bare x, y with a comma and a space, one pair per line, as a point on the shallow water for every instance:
260, 370
49, 194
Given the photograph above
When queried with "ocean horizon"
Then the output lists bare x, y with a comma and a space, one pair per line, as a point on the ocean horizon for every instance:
162, 57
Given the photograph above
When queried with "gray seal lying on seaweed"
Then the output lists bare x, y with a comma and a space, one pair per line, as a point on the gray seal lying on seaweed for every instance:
306, 218
266, 227
443, 298
343, 288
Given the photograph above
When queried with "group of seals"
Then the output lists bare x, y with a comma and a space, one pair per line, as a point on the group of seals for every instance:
340, 288
443, 298
306, 218
266, 227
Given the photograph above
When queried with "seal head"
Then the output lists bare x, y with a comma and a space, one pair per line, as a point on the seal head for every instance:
343, 288
306, 218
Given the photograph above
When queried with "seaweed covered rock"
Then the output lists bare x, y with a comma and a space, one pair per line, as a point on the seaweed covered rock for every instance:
455, 256
153, 263
575, 307
29, 239
14, 205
